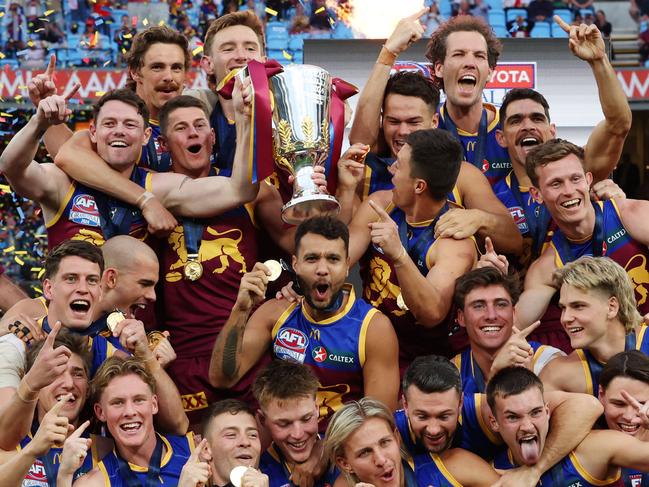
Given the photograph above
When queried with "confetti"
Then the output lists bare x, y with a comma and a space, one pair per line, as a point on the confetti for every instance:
9, 249
198, 50
320, 10
270, 11
100, 93
287, 55
19, 261
145, 22
49, 12
5, 114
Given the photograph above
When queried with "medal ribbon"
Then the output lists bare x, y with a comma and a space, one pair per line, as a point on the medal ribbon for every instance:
597, 239
94, 329
341, 90
152, 474
116, 216
418, 250
193, 230
162, 164
481, 140
538, 223
226, 139
477, 375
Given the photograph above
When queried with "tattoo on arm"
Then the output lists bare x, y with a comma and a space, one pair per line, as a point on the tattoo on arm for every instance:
230, 348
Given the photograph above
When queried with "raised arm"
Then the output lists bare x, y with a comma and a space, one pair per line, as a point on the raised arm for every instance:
243, 340
605, 144
538, 290
367, 122
10, 293
381, 368
484, 215
210, 196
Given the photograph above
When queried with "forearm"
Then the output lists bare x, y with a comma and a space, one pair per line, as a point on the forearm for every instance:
367, 121
14, 471
10, 293
348, 200
423, 300
502, 230
530, 308
16, 416
240, 179
55, 137
64, 479
171, 415
225, 368
21, 150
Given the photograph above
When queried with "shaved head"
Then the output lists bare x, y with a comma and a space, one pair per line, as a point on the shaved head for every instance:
124, 253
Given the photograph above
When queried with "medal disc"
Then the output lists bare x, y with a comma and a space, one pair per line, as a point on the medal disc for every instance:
115, 318
236, 474
154, 338
275, 269
193, 270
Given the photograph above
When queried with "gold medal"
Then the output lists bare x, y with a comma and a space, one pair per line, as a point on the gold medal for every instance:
193, 270
114, 319
401, 303
275, 269
154, 338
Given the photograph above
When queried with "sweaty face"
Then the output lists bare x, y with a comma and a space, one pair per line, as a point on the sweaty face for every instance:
74, 292
584, 315
233, 440
161, 77
619, 413
232, 48
74, 381
525, 126
293, 426
190, 139
523, 421
321, 266
127, 406
372, 454
564, 188
488, 317
465, 69
135, 287
119, 134
433, 417
403, 115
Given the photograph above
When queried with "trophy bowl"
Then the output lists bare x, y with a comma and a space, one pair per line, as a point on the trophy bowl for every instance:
301, 140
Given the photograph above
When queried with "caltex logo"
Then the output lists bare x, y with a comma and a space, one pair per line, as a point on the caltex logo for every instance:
319, 354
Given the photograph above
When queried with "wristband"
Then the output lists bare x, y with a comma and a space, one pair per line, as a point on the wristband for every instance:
25, 397
387, 57
402, 254
143, 198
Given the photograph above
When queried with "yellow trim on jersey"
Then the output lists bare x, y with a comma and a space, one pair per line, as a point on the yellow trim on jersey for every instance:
584, 366
557, 258
640, 337
367, 181
537, 355
110, 349
148, 184
589, 478
490, 127
477, 400
167, 457
153, 121
43, 302
350, 302
444, 471
102, 469
250, 209
191, 440
457, 361
62, 206
458, 197
282, 318
363, 334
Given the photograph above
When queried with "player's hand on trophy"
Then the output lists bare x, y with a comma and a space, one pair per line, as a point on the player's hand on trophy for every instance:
254, 478
351, 166
458, 224
606, 189
242, 97
385, 234
407, 31
42, 85
318, 177
54, 110
50, 362
252, 289
75, 450
491, 259
585, 41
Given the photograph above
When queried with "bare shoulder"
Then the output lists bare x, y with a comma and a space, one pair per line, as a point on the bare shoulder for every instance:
564, 373
94, 478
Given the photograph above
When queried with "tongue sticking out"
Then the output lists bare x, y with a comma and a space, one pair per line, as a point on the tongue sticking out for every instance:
530, 451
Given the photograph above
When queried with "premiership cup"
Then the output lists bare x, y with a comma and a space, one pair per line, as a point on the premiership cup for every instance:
301, 140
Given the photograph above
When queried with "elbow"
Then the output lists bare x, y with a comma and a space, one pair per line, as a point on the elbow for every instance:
218, 381
429, 317
183, 425
61, 160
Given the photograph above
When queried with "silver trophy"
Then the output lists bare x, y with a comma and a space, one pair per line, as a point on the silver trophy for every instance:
301, 141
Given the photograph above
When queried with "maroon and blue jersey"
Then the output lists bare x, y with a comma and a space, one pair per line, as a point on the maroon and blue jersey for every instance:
273, 464
152, 156
88, 214
593, 368
177, 450
493, 160
567, 473
431, 471
613, 241
334, 349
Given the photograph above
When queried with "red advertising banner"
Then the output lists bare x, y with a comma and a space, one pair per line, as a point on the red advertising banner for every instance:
513, 75
635, 83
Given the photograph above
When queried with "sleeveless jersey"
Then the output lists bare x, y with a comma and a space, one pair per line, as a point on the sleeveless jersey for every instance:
496, 164
567, 473
153, 157
192, 309
381, 289
80, 215
44, 470
377, 177
273, 464
431, 471
226, 139
593, 368
472, 433
473, 380
179, 448
617, 245
634, 478
334, 349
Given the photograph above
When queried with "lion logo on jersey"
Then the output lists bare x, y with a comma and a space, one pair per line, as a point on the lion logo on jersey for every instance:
636, 268
224, 247
380, 287
331, 398
91, 236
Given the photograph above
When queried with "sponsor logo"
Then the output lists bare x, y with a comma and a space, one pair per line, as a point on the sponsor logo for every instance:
290, 344
519, 218
319, 354
84, 211
513, 75
37, 476
485, 166
619, 234
193, 402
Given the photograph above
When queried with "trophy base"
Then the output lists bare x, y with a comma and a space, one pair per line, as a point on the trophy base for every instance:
304, 207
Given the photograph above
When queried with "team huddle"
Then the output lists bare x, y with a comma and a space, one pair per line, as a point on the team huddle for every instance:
499, 338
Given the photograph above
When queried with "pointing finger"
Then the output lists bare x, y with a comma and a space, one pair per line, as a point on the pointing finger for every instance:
489, 246
50, 66
525, 332
56, 409
419, 14
79, 431
195, 456
72, 92
561, 23
49, 341
631, 400
383, 216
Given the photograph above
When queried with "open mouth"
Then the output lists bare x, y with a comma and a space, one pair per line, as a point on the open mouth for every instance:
573, 330
168, 90
195, 148
573, 203
491, 329
71, 398
118, 144
80, 305
131, 428
135, 307
529, 449
627, 428
468, 81
321, 291
297, 446
388, 475
529, 142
